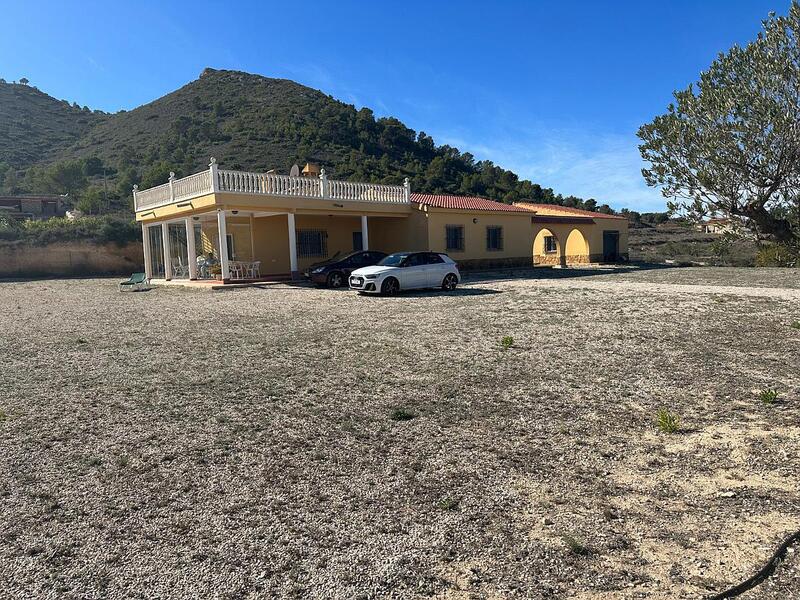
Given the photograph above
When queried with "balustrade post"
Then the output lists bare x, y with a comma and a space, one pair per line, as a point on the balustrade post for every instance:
135, 204
407, 190
212, 168
324, 185
172, 186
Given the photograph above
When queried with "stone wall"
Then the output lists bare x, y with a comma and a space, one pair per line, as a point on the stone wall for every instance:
70, 258
493, 263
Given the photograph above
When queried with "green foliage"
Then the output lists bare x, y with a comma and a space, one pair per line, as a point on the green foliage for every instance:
99, 229
575, 545
727, 143
777, 255
507, 342
63, 177
35, 127
449, 503
91, 201
3, 415
667, 422
401, 414
157, 174
768, 396
795, 325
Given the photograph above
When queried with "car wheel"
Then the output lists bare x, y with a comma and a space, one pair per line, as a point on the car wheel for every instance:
450, 282
390, 286
335, 280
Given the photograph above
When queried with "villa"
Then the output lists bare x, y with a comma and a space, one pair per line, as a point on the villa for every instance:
275, 226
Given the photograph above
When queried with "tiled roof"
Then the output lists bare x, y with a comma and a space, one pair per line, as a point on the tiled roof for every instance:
464, 203
567, 210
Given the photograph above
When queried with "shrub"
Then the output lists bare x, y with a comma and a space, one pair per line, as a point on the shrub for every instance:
777, 255
768, 396
795, 325
104, 229
401, 414
667, 422
507, 342
575, 545
449, 503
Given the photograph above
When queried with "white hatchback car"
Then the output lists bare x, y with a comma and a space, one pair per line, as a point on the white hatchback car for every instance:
407, 271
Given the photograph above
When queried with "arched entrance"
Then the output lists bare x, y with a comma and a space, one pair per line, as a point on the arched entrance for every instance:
577, 248
547, 249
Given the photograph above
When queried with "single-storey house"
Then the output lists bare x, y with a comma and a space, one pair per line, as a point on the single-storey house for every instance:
275, 226
32, 206
717, 225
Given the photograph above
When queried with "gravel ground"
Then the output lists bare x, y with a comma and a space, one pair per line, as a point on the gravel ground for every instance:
251, 443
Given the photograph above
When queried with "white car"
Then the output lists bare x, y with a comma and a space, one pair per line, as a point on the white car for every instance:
407, 271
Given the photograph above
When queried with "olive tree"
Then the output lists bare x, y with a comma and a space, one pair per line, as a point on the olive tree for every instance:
730, 144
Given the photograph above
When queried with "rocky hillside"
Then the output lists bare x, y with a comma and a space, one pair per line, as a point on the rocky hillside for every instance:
247, 122
35, 127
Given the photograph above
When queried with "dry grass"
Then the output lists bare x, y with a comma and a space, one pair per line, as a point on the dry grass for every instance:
179, 443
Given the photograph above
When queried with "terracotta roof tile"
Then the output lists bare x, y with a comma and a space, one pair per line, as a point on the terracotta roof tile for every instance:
464, 203
567, 210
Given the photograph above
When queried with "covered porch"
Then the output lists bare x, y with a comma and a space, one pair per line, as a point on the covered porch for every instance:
234, 226
258, 245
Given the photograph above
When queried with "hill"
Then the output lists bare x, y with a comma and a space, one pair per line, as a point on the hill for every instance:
248, 122
681, 243
35, 127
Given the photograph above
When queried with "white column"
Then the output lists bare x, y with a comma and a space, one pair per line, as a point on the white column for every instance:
167, 256
191, 251
292, 245
223, 245
148, 269
252, 237
364, 233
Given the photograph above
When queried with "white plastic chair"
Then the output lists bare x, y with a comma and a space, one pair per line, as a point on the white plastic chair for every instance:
254, 270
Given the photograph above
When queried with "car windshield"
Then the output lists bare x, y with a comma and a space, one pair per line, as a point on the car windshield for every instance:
393, 260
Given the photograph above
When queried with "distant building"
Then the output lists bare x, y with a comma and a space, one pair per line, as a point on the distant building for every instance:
717, 226
32, 206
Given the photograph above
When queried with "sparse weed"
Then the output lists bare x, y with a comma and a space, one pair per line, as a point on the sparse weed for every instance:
507, 342
449, 503
3, 415
667, 421
768, 396
82, 341
401, 414
575, 545
795, 325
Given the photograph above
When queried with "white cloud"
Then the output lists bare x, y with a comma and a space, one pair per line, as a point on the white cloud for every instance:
578, 162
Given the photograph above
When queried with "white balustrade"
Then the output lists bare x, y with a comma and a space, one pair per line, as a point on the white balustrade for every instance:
193, 185
267, 184
156, 196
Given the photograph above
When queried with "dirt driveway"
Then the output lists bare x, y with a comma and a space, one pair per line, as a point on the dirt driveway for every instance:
294, 442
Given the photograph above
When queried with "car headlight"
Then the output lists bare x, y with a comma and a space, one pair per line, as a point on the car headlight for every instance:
318, 270
370, 276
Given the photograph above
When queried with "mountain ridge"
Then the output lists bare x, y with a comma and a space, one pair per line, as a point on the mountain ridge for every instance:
247, 122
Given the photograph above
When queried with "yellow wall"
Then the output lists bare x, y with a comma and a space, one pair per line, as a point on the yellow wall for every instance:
516, 234
389, 234
272, 244
340, 235
572, 241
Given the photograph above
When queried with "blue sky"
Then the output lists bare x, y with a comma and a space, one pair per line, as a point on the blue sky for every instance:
552, 90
